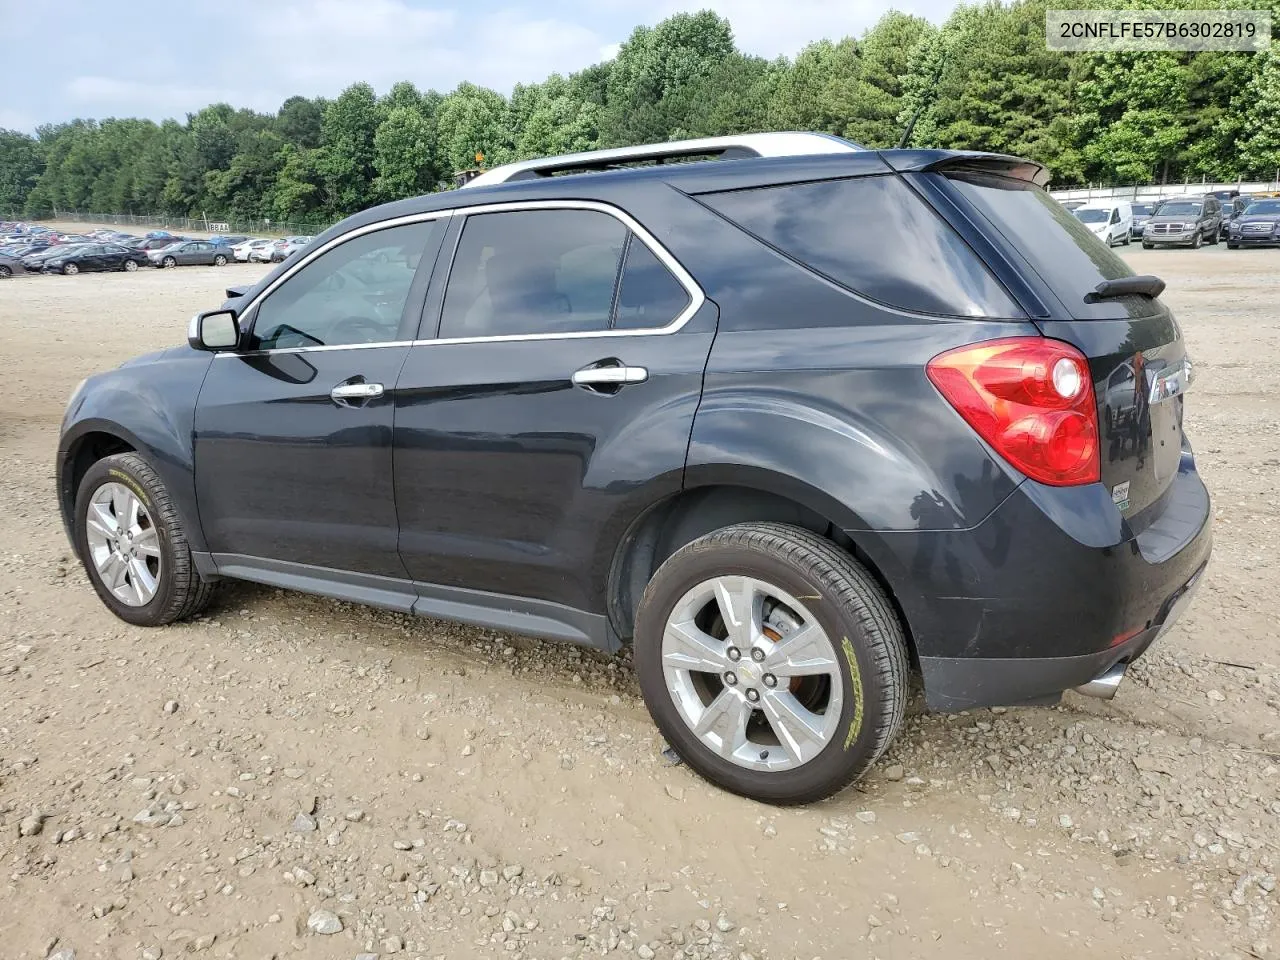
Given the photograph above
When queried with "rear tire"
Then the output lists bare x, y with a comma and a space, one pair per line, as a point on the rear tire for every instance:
130, 266
858, 643
168, 572
219, 261
70, 269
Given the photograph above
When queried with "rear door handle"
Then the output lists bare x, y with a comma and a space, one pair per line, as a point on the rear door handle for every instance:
611, 375
344, 393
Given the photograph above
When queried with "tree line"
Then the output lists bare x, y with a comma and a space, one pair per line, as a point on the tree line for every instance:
984, 80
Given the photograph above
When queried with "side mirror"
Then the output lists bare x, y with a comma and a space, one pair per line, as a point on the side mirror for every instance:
214, 330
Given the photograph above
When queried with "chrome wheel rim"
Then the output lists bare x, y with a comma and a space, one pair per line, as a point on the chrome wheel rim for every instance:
752, 673
71, 269
124, 544
130, 266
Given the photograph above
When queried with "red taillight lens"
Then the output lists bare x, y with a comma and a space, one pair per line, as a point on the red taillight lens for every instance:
1031, 399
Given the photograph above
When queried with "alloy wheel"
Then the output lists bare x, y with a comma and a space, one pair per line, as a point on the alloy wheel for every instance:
124, 544
752, 673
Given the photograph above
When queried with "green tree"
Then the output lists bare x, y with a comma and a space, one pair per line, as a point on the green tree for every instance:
1259, 142
473, 120
20, 168
404, 155
345, 157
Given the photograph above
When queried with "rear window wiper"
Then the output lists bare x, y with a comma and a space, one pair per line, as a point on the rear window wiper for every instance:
1144, 284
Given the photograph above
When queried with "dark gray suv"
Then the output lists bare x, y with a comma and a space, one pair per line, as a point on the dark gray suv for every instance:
1184, 221
691, 407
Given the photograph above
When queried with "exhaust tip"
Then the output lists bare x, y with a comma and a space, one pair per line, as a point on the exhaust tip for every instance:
1105, 685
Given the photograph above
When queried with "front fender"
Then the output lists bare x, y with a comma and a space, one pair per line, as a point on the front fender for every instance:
150, 405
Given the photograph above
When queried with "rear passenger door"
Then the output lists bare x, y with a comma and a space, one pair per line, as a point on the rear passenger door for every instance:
555, 402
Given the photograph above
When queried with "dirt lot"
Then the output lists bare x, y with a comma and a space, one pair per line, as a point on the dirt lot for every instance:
438, 791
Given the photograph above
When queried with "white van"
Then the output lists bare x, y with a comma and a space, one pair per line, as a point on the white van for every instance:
1110, 220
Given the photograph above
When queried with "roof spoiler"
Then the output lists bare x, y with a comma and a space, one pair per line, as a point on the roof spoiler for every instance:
967, 161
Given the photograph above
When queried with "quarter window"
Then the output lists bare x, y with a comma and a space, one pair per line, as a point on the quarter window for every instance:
650, 296
353, 293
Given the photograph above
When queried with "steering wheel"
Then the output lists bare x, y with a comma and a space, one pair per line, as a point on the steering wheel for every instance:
357, 330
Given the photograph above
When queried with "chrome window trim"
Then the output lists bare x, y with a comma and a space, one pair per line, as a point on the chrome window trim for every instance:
696, 297
319, 251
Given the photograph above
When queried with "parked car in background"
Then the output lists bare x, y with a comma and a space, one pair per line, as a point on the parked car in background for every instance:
1142, 211
1184, 221
1257, 226
225, 240
1110, 221
156, 243
1231, 210
685, 406
242, 251
190, 253
35, 262
1074, 204
287, 247
90, 257
9, 266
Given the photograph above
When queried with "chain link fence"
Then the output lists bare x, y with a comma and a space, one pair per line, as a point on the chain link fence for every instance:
280, 228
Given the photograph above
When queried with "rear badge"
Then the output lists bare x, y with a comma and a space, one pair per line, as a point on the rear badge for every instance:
1120, 495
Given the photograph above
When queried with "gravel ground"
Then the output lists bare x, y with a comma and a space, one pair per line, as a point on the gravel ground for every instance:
290, 776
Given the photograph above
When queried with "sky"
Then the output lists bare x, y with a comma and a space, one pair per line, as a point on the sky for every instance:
165, 58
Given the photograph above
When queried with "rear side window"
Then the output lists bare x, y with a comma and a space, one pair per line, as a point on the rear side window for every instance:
533, 271
876, 237
1058, 247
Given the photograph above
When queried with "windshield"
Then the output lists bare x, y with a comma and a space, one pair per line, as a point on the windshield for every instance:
1180, 208
1263, 207
1142, 209
1093, 215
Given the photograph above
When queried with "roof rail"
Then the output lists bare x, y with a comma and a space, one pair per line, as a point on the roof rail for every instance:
724, 148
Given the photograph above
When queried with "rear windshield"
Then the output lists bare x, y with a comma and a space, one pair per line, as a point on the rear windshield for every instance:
1065, 253
876, 237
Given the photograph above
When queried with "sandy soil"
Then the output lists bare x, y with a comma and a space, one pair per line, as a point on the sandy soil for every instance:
439, 791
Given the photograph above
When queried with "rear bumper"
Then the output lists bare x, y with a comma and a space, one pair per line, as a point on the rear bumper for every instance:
1051, 590
961, 683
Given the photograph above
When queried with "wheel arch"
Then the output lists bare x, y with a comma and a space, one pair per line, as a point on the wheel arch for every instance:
695, 511
80, 451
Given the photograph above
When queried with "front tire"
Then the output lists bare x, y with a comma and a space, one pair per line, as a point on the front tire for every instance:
1195, 244
772, 662
5, 272
1148, 246
168, 262
131, 542
1232, 246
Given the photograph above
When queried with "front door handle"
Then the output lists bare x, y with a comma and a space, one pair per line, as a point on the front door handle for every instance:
349, 394
609, 375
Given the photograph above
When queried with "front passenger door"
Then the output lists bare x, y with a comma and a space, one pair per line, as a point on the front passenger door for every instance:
293, 432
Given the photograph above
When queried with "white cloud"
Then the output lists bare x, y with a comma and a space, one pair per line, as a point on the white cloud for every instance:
138, 96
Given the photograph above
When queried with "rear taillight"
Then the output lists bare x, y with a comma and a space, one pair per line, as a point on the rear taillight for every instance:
1031, 398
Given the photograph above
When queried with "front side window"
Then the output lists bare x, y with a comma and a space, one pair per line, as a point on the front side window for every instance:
526, 272
353, 293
